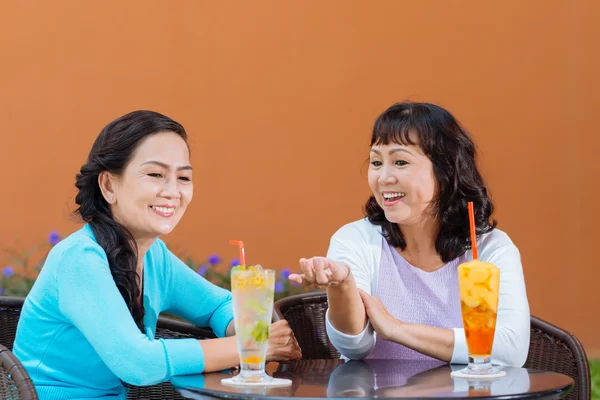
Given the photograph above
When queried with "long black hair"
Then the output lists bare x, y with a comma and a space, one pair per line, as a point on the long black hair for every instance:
111, 152
452, 153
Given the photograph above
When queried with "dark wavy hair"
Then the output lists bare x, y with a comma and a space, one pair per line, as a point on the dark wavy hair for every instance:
452, 153
111, 152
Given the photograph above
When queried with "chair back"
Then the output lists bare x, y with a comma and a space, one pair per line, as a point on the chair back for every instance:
554, 349
15, 383
10, 311
305, 313
172, 328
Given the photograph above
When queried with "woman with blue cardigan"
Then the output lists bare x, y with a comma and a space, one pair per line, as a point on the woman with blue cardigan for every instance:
88, 323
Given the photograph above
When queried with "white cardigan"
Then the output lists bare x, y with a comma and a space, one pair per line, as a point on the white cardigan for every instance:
359, 244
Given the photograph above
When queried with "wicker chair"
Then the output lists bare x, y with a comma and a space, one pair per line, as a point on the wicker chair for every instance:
166, 328
14, 381
556, 350
10, 310
550, 349
305, 313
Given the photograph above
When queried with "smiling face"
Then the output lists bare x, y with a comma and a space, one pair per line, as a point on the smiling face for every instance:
402, 180
152, 194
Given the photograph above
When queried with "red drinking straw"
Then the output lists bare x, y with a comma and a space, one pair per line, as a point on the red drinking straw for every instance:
472, 225
242, 255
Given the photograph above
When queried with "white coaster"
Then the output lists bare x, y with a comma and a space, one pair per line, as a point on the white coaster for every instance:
461, 374
275, 382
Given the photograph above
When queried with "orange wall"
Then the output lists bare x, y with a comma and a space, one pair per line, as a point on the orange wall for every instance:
279, 98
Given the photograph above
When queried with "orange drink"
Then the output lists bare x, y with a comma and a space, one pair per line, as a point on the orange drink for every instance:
479, 287
479, 284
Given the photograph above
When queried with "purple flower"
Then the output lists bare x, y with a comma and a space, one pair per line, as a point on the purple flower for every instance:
278, 287
234, 263
285, 273
295, 283
54, 237
1, 291
214, 259
8, 271
202, 270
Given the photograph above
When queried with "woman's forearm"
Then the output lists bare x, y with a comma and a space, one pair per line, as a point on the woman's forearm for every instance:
219, 353
346, 310
429, 340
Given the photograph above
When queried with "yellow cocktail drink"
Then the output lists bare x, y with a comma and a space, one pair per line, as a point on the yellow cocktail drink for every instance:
252, 290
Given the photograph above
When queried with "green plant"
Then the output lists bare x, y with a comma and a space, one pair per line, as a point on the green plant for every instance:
595, 375
17, 278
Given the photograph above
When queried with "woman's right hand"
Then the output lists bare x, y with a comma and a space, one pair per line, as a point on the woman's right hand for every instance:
282, 343
321, 272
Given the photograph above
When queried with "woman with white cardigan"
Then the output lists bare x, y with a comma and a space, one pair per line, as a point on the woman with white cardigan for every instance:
391, 278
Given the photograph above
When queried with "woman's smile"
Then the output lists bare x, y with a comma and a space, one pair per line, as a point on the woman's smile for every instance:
390, 199
166, 210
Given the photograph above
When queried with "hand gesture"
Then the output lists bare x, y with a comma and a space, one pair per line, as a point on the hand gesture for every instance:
321, 272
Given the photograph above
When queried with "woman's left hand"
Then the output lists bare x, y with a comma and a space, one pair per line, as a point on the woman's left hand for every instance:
282, 343
382, 321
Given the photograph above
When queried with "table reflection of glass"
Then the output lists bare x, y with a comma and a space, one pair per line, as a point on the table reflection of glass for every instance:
319, 379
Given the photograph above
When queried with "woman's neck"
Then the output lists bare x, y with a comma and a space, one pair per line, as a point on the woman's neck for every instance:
420, 250
142, 248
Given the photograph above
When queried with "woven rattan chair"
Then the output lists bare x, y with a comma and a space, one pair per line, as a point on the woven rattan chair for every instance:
550, 349
556, 350
166, 328
305, 313
10, 310
14, 381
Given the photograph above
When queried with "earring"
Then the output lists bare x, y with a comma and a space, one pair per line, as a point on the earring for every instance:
110, 198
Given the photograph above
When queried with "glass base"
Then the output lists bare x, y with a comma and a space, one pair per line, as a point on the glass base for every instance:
479, 368
250, 384
250, 376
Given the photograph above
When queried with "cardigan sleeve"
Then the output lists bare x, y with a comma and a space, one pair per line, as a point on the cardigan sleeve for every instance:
349, 246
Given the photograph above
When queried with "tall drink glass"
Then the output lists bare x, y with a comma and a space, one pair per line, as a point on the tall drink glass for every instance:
479, 284
253, 291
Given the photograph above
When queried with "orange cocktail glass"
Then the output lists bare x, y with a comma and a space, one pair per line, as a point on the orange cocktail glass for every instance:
479, 284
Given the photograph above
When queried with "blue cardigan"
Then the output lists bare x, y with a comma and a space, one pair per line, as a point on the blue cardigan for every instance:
77, 339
